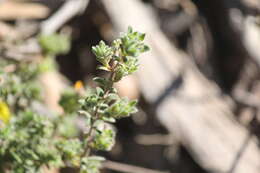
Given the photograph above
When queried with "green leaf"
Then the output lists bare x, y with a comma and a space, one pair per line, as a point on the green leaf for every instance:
103, 106
141, 36
69, 101
133, 103
99, 67
90, 165
85, 113
96, 158
103, 53
81, 101
91, 101
109, 119
55, 43
112, 96
145, 48
129, 29
104, 140
100, 92
103, 82
120, 72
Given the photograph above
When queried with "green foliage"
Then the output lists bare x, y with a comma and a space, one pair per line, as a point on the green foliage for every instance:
47, 64
132, 44
121, 57
66, 127
103, 53
71, 150
54, 44
104, 139
27, 143
121, 108
31, 141
91, 164
69, 101
103, 105
19, 88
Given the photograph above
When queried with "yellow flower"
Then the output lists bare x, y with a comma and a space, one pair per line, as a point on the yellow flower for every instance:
5, 113
78, 85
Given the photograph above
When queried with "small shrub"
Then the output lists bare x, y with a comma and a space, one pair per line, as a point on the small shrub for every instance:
30, 141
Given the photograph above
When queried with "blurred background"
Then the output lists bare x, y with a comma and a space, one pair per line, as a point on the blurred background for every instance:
198, 87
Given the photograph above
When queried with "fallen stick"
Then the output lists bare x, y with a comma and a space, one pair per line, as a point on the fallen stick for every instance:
12, 10
68, 10
126, 168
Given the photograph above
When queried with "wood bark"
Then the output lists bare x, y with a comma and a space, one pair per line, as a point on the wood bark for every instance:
11, 10
189, 105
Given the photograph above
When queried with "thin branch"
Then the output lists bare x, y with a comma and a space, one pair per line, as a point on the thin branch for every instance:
246, 98
128, 168
69, 9
88, 137
155, 139
243, 147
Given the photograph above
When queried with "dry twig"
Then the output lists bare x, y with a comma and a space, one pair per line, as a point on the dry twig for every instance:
128, 168
70, 9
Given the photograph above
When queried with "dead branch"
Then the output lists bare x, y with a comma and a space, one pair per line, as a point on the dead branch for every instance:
69, 9
128, 168
11, 10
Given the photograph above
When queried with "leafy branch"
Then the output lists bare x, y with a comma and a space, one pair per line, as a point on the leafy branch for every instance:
30, 141
104, 105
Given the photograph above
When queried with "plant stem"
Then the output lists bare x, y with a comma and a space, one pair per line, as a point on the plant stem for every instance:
87, 136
